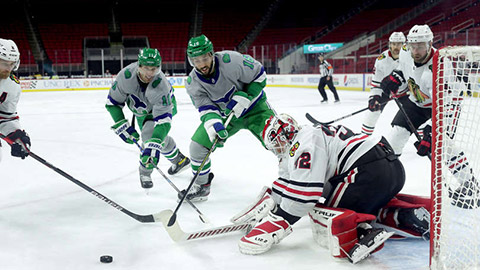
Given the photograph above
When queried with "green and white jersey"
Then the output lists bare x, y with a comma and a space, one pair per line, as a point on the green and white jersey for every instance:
233, 72
155, 98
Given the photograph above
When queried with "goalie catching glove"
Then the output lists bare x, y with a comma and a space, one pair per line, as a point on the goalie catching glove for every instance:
238, 104
126, 132
20, 143
424, 146
151, 153
392, 82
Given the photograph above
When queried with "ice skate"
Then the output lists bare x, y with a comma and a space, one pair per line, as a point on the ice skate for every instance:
198, 193
371, 240
180, 163
146, 181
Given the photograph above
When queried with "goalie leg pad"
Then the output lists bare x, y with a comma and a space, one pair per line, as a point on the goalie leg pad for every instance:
263, 204
336, 228
406, 216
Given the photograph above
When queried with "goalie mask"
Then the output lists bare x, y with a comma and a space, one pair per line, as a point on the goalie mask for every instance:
279, 133
9, 52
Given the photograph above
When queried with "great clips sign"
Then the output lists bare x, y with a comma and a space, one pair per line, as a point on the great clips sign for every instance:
321, 48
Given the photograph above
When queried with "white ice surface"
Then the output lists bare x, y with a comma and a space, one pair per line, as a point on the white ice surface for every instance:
48, 222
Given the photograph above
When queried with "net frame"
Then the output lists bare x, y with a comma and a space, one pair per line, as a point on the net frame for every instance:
449, 93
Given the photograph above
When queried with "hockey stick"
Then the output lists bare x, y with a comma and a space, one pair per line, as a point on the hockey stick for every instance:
174, 215
200, 214
410, 124
141, 218
178, 235
317, 123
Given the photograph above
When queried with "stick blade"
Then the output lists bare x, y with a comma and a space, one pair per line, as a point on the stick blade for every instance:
174, 231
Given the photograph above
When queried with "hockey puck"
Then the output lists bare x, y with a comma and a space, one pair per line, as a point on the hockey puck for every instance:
106, 259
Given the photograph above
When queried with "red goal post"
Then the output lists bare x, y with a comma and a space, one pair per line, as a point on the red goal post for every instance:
455, 216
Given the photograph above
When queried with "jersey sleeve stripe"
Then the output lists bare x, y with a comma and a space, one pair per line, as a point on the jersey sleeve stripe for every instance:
114, 102
163, 116
261, 76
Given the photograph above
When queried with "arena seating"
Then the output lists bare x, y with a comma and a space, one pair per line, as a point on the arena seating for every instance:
169, 37
16, 32
64, 42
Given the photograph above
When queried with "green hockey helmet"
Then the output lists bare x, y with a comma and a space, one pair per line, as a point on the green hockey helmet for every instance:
149, 57
199, 46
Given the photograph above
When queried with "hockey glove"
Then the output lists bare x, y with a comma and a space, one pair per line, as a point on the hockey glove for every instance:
238, 104
20, 143
126, 132
392, 82
424, 146
215, 127
374, 103
151, 153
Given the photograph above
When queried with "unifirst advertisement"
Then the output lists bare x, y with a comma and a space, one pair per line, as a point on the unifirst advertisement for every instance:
356, 82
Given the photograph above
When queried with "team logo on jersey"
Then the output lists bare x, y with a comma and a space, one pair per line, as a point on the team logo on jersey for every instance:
136, 105
226, 58
381, 56
128, 74
404, 48
14, 78
114, 86
416, 92
156, 82
294, 149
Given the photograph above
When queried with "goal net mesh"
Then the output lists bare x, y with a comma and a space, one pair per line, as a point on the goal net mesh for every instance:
455, 217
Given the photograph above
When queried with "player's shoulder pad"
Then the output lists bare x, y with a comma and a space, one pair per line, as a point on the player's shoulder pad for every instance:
14, 78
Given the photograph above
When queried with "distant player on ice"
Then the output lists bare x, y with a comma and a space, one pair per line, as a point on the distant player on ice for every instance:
384, 65
143, 87
222, 83
10, 129
342, 180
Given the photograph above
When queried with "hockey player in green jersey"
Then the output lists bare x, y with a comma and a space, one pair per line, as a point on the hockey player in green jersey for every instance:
148, 94
222, 83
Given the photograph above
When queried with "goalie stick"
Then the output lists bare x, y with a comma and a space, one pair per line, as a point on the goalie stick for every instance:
142, 218
200, 214
178, 235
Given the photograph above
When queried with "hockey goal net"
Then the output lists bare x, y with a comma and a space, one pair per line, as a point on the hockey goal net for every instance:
455, 217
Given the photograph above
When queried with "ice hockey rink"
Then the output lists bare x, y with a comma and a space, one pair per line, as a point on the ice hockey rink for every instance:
48, 222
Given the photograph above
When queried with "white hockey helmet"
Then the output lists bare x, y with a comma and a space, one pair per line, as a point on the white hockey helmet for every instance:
397, 37
9, 52
279, 133
420, 33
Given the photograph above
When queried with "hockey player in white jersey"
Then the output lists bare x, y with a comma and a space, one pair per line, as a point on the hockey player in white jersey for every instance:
10, 129
143, 87
342, 180
222, 83
384, 65
415, 71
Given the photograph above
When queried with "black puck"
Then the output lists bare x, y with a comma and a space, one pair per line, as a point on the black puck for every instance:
106, 259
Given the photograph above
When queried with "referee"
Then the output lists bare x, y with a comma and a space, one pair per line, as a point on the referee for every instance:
326, 71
